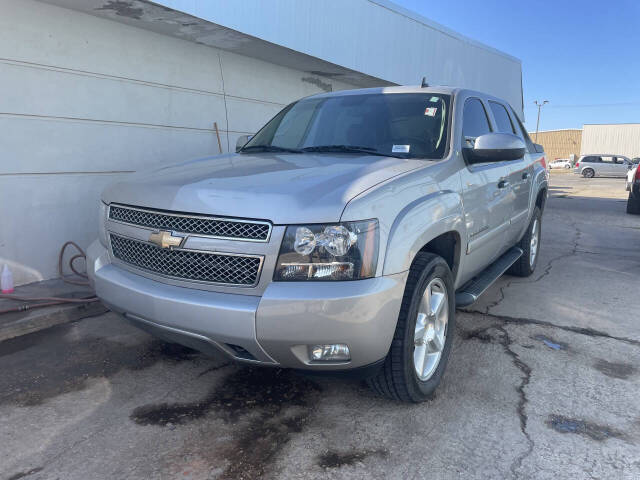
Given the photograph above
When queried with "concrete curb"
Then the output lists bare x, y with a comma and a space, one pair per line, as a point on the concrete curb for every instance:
15, 324
40, 319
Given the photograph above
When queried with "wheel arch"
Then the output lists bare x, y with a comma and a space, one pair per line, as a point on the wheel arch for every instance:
448, 246
433, 224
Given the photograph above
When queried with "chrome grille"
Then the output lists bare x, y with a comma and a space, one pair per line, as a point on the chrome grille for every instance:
197, 224
188, 264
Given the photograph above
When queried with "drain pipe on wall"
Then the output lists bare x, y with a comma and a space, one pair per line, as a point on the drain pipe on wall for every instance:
49, 301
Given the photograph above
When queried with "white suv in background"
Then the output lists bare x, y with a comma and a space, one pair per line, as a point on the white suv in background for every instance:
560, 163
602, 165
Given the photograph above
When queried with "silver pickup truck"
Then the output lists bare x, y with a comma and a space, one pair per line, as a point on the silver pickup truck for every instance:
341, 237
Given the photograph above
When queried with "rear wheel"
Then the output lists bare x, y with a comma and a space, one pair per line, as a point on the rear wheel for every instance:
424, 333
530, 245
588, 173
633, 204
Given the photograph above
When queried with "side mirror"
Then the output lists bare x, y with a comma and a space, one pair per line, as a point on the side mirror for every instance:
495, 147
242, 141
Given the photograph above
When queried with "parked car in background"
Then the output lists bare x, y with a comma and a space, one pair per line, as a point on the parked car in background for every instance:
599, 165
560, 163
633, 187
342, 236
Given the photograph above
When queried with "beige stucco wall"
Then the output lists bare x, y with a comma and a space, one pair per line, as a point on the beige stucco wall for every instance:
560, 143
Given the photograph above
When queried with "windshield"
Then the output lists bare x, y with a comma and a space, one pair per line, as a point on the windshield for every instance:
407, 125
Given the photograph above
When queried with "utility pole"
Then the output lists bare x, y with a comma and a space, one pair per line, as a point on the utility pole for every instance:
539, 108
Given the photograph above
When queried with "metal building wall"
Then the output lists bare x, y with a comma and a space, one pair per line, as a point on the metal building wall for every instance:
559, 143
95, 89
375, 37
620, 139
87, 100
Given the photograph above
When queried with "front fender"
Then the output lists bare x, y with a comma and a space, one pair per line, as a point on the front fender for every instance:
420, 222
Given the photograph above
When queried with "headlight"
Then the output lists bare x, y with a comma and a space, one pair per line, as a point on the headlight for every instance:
342, 251
102, 220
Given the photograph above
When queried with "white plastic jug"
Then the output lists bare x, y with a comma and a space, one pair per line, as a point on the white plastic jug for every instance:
6, 280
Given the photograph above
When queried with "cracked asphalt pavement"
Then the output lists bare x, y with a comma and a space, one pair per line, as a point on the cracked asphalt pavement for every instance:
543, 382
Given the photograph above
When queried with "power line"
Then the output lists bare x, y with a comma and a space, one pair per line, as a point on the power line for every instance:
591, 105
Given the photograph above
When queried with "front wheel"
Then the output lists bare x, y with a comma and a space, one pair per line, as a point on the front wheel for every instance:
588, 173
530, 245
424, 333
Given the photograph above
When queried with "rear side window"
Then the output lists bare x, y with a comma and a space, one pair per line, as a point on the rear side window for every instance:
522, 132
474, 121
591, 159
503, 122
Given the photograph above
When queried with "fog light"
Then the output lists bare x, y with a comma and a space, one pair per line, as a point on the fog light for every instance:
330, 353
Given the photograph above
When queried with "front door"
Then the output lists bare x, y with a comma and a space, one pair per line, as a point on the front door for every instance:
621, 167
487, 196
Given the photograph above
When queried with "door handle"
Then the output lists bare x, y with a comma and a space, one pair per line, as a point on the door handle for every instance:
503, 184
525, 175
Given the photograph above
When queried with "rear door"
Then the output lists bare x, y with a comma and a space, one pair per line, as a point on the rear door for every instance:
607, 166
520, 173
486, 194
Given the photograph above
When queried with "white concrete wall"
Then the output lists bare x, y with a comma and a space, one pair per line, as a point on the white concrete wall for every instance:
621, 139
86, 100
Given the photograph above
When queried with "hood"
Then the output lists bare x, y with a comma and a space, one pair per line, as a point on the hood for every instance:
282, 188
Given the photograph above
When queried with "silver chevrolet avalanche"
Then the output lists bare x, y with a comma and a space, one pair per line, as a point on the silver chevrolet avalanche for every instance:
341, 237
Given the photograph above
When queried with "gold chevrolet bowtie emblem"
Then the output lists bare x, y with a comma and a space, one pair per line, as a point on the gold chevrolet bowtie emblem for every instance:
164, 239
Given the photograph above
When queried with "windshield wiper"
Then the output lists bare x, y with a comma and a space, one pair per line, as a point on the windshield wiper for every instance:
348, 149
269, 148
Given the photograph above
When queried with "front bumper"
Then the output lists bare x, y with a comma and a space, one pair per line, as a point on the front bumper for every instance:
272, 329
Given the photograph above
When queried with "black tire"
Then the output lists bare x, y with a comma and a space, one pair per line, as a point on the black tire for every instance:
633, 205
588, 173
397, 379
523, 266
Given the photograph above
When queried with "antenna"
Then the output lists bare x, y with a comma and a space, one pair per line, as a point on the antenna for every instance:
424, 83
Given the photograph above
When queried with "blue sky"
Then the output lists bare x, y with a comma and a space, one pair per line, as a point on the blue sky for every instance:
582, 56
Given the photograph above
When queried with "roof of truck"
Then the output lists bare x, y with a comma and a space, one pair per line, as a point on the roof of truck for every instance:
398, 89
437, 89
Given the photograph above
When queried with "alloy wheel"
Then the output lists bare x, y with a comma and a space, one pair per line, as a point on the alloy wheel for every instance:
535, 240
431, 329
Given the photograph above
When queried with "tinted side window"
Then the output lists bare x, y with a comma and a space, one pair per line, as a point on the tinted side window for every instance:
474, 120
522, 132
590, 159
503, 122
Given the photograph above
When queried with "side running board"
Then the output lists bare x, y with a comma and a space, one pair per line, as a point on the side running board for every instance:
470, 292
